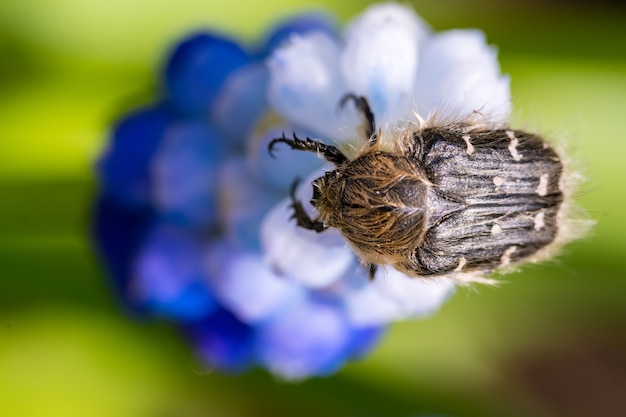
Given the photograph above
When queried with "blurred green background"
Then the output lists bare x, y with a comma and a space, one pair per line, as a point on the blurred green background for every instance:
550, 341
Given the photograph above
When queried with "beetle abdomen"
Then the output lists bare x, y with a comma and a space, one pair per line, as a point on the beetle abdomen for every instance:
505, 189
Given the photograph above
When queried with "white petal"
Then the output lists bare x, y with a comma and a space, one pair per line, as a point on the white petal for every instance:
380, 59
459, 75
478, 91
380, 14
306, 85
314, 259
245, 285
395, 296
415, 296
368, 306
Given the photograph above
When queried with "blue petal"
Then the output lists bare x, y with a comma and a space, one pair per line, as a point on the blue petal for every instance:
191, 302
118, 231
364, 339
310, 22
125, 166
197, 70
244, 202
185, 170
169, 278
241, 103
222, 341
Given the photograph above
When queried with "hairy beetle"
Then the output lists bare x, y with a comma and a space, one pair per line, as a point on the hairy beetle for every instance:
439, 200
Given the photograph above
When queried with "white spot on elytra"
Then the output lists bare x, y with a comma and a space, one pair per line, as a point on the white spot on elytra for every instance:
470, 147
496, 229
506, 256
540, 220
542, 188
498, 181
513, 146
462, 262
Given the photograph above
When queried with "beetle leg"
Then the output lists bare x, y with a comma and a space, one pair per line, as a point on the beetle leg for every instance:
330, 153
301, 215
372, 271
363, 106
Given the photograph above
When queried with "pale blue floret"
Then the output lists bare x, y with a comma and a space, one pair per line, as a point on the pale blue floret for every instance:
306, 85
240, 104
313, 335
381, 56
245, 284
244, 202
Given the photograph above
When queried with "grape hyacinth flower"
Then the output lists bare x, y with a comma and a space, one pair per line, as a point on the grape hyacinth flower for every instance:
193, 215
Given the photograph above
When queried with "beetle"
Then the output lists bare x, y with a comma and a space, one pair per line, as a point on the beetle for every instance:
437, 200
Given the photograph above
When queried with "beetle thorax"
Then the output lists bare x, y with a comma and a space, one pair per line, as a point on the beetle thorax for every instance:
378, 202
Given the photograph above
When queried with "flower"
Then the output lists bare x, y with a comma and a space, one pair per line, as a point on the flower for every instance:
193, 215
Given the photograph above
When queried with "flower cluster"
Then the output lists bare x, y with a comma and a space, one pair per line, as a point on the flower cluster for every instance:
193, 215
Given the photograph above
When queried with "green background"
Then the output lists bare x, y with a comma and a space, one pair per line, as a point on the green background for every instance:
550, 341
